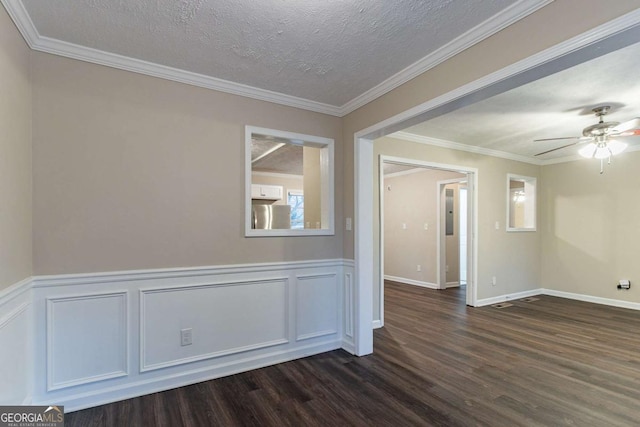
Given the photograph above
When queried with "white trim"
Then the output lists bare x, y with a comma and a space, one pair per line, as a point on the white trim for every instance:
497, 22
377, 324
412, 137
324, 332
6, 319
348, 306
452, 145
14, 291
144, 367
146, 386
452, 285
534, 208
327, 180
363, 245
583, 40
412, 282
180, 369
475, 35
381, 251
592, 299
21, 18
560, 294
50, 303
166, 273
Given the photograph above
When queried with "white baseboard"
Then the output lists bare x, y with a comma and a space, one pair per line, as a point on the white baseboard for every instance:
377, 324
592, 299
561, 294
411, 282
348, 346
79, 401
452, 285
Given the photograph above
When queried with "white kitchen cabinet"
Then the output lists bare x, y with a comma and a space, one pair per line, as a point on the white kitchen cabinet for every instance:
266, 192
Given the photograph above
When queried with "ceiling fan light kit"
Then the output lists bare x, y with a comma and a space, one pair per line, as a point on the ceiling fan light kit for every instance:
600, 137
602, 150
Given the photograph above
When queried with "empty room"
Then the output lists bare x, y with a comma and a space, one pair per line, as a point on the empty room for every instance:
312, 213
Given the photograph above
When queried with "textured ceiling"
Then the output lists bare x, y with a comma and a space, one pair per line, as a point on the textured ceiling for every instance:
330, 51
555, 106
274, 154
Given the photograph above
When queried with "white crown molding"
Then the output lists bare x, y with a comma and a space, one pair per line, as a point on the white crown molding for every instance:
475, 35
501, 20
594, 35
463, 147
74, 51
406, 136
23, 21
25, 25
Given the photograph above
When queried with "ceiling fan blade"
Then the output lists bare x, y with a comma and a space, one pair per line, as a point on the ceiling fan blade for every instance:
632, 132
557, 139
558, 148
633, 124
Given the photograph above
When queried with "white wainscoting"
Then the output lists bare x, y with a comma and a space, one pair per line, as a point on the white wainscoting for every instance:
348, 313
317, 309
87, 339
225, 318
15, 344
105, 337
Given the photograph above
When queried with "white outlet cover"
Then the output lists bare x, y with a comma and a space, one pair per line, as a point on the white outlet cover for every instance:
186, 337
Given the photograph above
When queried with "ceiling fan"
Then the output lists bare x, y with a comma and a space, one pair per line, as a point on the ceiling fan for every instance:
601, 137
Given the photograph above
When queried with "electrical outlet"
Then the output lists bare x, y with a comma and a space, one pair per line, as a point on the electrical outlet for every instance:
493, 281
404, 225
426, 225
624, 284
186, 336
348, 224
497, 225
446, 268
419, 268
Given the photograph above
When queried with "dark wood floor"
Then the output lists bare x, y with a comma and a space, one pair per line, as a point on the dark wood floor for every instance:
436, 362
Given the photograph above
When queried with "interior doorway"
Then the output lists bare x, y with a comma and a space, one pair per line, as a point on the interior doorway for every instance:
412, 233
452, 220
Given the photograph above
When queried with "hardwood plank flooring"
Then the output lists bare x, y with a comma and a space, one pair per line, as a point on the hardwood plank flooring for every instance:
549, 362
